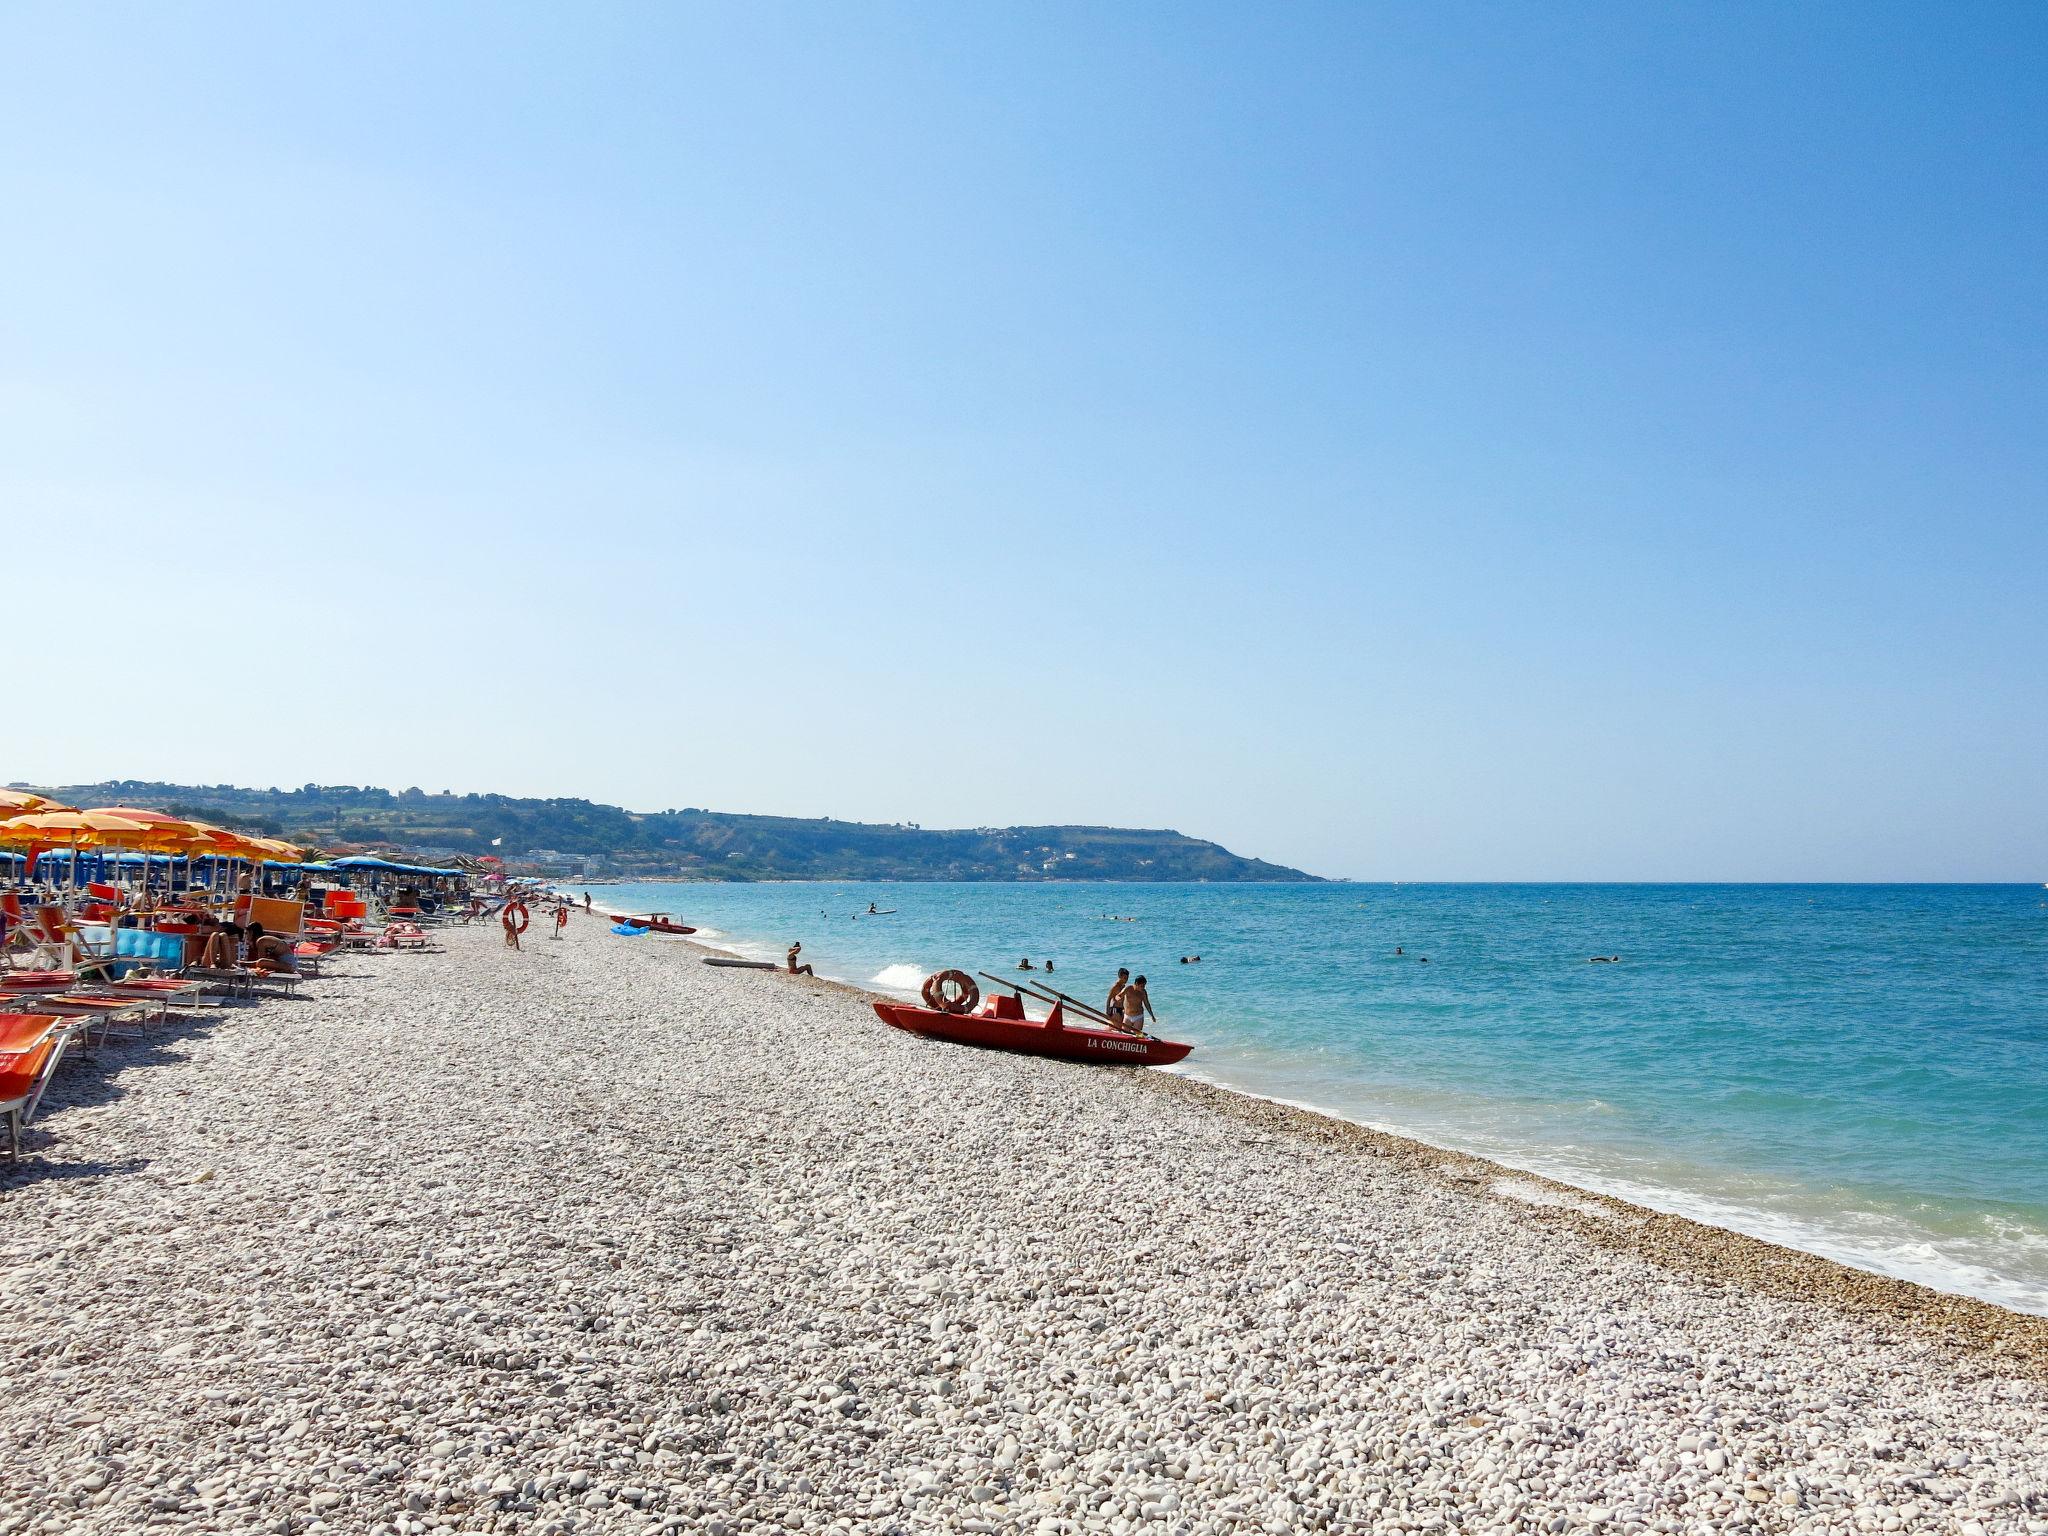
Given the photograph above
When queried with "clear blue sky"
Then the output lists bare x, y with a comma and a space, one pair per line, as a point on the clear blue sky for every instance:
1407, 441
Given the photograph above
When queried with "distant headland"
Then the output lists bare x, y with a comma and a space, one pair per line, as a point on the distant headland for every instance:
585, 839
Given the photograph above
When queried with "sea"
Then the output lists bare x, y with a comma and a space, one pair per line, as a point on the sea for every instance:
1859, 1071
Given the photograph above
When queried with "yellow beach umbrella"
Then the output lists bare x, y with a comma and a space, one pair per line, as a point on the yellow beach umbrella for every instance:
71, 829
19, 802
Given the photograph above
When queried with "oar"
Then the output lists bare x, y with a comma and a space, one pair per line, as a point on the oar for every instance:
1025, 988
1116, 1024
1084, 1009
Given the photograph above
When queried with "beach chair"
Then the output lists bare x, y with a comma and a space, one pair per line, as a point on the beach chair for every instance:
32, 983
89, 1008
42, 934
95, 952
287, 921
31, 1045
171, 991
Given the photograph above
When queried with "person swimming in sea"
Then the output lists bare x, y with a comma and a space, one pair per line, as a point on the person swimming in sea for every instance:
1026, 965
1603, 960
1048, 967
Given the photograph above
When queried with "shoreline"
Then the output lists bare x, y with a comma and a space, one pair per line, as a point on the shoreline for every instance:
1684, 1244
590, 1237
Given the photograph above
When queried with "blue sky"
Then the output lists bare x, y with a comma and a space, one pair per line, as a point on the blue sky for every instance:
1424, 441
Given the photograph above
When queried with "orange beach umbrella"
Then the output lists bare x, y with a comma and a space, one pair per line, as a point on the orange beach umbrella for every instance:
19, 802
40, 830
180, 834
72, 829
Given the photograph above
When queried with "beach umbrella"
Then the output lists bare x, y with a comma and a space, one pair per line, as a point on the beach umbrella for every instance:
182, 834
74, 830
176, 835
71, 829
19, 802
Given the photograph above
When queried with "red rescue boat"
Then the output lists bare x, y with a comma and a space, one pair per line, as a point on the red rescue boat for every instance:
1002, 1026
658, 922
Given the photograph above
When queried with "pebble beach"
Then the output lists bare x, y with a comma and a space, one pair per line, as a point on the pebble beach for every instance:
593, 1237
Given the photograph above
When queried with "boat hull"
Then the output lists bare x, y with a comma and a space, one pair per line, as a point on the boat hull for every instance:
1103, 1047
658, 924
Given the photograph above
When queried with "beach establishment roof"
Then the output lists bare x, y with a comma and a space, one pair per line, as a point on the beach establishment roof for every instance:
367, 861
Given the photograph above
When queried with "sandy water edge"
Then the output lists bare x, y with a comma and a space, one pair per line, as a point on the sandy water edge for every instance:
2016, 1342
611, 1241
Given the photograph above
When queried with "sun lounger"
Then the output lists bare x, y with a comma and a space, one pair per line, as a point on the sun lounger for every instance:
26, 1072
88, 1008
239, 980
175, 991
25, 1031
29, 983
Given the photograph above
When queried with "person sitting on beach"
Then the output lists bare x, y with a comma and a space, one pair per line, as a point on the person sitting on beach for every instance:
271, 955
794, 968
1137, 1002
221, 948
1114, 1007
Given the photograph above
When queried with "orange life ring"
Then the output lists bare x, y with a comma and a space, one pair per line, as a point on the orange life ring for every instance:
951, 992
506, 917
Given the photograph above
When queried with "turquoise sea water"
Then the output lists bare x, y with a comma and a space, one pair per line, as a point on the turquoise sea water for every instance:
1860, 1071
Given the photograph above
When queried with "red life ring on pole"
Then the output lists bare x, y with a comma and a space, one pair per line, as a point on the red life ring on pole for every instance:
510, 908
951, 992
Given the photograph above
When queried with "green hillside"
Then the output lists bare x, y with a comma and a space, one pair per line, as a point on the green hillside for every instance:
707, 845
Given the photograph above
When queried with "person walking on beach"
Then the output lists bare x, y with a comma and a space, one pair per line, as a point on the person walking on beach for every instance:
1137, 1002
794, 968
1115, 1006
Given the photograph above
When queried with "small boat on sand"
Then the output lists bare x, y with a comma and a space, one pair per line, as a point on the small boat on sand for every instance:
659, 922
1002, 1026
